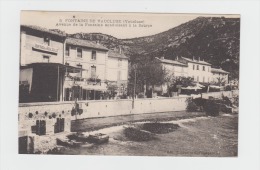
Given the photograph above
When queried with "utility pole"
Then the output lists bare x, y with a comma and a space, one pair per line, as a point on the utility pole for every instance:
133, 105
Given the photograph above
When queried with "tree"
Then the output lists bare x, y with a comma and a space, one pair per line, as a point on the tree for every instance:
148, 73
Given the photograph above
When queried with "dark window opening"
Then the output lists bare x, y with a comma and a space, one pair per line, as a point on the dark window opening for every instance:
79, 52
94, 55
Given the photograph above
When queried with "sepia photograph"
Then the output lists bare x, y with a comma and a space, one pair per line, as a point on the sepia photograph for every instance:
128, 84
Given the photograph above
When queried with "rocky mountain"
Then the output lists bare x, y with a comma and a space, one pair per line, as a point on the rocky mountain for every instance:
214, 39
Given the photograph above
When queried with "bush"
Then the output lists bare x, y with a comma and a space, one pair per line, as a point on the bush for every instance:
212, 108
30, 115
140, 95
54, 115
191, 106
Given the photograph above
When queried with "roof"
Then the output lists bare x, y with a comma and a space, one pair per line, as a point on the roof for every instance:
62, 34
115, 54
218, 70
67, 68
173, 62
196, 61
85, 43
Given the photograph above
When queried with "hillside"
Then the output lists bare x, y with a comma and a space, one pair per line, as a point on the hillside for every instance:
215, 40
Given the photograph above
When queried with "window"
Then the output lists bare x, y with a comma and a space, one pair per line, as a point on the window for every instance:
203, 79
79, 52
119, 62
203, 68
80, 73
94, 55
198, 79
193, 78
193, 67
46, 40
93, 71
198, 67
46, 59
119, 75
67, 51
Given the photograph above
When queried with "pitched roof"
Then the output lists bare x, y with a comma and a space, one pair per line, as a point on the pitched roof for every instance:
115, 54
218, 70
173, 62
196, 61
34, 27
85, 43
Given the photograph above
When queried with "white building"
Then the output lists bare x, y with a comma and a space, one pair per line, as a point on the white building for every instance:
219, 75
174, 67
199, 70
117, 69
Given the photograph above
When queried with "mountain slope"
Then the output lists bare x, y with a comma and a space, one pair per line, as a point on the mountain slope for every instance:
215, 40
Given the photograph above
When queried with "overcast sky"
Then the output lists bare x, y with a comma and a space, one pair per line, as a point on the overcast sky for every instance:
91, 22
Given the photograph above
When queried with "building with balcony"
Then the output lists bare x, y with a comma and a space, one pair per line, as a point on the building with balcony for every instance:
91, 58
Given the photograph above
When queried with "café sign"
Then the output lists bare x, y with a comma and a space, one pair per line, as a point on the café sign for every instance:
45, 48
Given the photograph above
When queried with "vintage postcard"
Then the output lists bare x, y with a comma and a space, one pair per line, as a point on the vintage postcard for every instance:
130, 84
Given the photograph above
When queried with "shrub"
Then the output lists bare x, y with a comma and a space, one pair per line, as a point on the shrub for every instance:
191, 106
45, 113
54, 115
140, 95
212, 108
30, 115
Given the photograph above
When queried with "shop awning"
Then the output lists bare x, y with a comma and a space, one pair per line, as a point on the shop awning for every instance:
62, 67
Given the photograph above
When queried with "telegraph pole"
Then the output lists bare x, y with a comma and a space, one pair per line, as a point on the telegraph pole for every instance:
134, 87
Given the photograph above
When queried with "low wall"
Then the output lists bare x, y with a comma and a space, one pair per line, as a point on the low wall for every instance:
99, 108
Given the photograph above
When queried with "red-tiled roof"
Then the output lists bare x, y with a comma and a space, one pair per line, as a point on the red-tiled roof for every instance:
85, 43
116, 54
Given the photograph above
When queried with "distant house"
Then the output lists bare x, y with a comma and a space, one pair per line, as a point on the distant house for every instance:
199, 70
219, 75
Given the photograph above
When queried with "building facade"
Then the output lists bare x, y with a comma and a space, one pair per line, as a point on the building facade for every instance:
219, 76
54, 67
199, 70
117, 70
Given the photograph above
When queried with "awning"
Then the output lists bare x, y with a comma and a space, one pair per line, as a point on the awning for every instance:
62, 67
214, 87
191, 88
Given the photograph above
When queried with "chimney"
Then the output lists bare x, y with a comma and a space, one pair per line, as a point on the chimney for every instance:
177, 58
199, 58
192, 58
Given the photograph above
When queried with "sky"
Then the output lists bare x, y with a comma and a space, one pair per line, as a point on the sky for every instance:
119, 25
